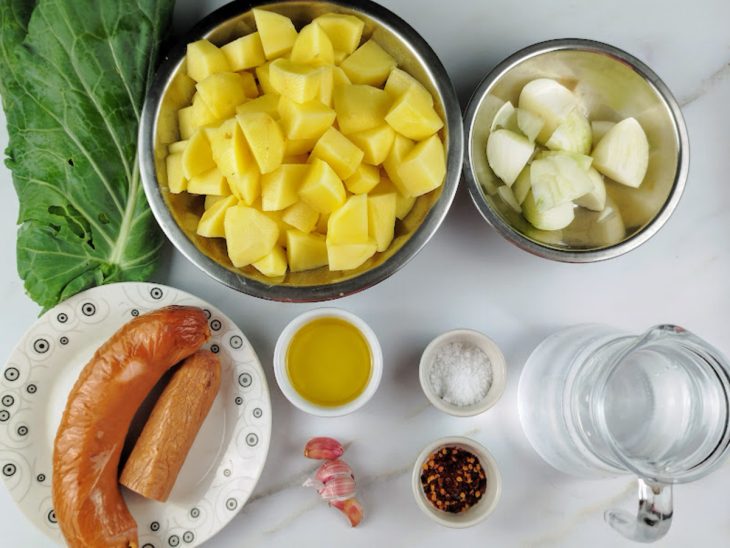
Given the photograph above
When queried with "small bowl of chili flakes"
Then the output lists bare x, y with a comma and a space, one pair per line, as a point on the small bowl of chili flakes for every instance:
456, 482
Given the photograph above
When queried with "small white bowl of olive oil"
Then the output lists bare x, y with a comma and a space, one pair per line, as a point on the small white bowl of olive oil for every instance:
328, 362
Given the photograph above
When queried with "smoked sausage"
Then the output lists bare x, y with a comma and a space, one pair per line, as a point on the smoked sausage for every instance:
88, 505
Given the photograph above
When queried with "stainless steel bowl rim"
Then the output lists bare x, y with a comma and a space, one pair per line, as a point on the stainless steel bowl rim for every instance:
311, 293
568, 255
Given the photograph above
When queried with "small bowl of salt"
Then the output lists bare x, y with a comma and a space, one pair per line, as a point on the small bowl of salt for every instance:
462, 372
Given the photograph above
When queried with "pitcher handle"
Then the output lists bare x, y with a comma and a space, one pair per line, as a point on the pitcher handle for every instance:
653, 518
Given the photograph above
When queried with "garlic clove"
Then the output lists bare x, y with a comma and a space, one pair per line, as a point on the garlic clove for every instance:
323, 449
338, 488
351, 508
332, 468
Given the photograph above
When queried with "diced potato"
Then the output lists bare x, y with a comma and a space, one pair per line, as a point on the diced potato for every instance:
360, 107
340, 56
399, 81
322, 223
301, 216
246, 186
229, 148
262, 75
245, 52
176, 181
349, 256
369, 64
313, 47
211, 223
250, 89
211, 200
250, 235
304, 120
299, 83
326, 84
365, 178
424, 167
344, 31
272, 265
305, 251
202, 115
381, 219
322, 189
375, 143
413, 116
177, 146
276, 217
349, 223
339, 77
279, 189
211, 182
204, 59
264, 138
297, 158
268, 104
298, 147
186, 122
403, 204
222, 92
277, 33
339, 152
198, 157
401, 146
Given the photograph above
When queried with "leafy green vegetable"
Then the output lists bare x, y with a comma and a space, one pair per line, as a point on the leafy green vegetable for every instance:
73, 76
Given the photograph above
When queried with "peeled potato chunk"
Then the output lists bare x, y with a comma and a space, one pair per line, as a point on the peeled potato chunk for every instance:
222, 93
305, 251
211, 182
360, 107
339, 152
277, 33
368, 64
300, 216
313, 47
298, 82
250, 235
349, 256
211, 223
245, 52
424, 167
305, 120
399, 81
264, 138
365, 178
375, 143
176, 181
349, 223
204, 59
401, 146
381, 219
272, 265
198, 157
322, 189
413, 116
279, 189
344, 31
246, 186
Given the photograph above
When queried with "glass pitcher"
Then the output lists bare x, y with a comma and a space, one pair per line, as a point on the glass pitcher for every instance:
595, 402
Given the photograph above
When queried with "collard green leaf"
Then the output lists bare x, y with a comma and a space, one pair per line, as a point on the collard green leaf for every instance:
73, 75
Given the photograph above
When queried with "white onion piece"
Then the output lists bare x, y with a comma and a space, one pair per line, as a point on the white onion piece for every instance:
522, 185
509, 198
555, 218
506, 118
549, 100
557, 179
572, 135
507, 154
623, 153
595, 200
529, 123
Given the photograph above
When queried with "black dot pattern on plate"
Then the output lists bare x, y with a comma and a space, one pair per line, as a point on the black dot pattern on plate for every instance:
257, 413
173, 540
52, 516
245, 379
9, 470
214, 348
207, 313
148, 545
238, 400
188, 537
227, 472
215, 325
22, 430
88, 309
4, 415
195, 513
12, 374
41, 477
154, 526
135, 312
231, 504
62, 317
8, 400
31, 389
63, 340
156, 293
252, 439
236, 342
41, 346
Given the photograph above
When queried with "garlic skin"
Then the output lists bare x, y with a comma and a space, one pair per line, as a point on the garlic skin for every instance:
332, 468
323, 449
338, 488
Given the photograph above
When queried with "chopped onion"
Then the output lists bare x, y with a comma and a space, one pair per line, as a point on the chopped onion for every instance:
555, 218
509, 198
557, 179
572, 135
549, 100
507, 154
529, 123
583, 160
522, 185
506, 118
623, 153
594, 200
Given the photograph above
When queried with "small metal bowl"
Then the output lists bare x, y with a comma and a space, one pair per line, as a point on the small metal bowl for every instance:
612, 85
177, 214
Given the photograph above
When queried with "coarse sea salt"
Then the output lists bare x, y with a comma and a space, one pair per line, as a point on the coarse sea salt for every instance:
461, 373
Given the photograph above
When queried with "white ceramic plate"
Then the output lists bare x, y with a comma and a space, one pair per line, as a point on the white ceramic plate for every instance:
223, 465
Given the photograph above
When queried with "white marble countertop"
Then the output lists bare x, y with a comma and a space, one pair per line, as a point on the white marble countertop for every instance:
468, 276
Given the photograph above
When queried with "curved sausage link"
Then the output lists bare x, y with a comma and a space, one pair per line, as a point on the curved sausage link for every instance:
90, 509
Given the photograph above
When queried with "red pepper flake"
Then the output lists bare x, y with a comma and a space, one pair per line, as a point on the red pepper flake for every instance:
455, 481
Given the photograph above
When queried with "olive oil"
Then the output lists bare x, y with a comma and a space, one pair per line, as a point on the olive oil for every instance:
329, 362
